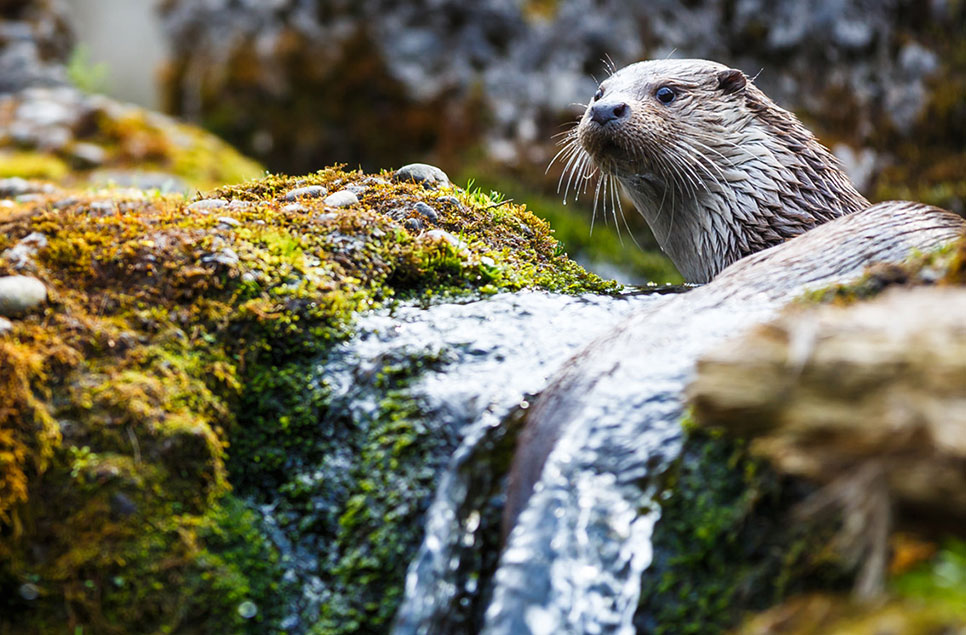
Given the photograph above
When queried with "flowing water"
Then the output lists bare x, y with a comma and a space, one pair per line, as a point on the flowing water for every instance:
574, 559
611, 373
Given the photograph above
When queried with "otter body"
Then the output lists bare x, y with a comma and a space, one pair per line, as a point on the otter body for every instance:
719, 173
716, 168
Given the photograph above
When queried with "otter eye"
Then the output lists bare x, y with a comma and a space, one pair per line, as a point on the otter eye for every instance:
598, 94
665, 95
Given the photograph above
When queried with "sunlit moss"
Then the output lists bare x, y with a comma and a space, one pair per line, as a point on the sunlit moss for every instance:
176, 360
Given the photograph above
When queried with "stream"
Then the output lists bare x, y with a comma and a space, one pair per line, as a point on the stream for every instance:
605, 377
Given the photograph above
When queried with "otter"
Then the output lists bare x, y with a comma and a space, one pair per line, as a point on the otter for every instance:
716, 168
724, 177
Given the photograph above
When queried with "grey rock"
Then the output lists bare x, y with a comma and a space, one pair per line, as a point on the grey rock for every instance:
294, 208
427, 211
206, 204
342, 198
21, 255
19, 294
309, 191
413, 224
102, 208
429, 175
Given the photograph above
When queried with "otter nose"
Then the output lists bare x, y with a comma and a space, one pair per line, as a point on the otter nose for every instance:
605, 112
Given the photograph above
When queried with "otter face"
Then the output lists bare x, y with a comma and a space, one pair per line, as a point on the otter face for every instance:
652, 120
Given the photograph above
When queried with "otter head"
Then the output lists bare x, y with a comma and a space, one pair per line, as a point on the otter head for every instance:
715, 167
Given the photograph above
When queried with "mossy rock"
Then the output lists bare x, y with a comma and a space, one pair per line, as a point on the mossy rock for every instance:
79, 139
173, 363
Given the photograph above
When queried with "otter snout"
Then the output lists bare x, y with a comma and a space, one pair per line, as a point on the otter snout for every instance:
606, 112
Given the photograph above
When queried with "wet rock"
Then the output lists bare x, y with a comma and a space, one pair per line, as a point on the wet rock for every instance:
342, 198
427, 212
310, 191
19, 294
21, 255
206, 204
429, 175
823, 390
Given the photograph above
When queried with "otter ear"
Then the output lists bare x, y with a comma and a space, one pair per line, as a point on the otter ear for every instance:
731, 80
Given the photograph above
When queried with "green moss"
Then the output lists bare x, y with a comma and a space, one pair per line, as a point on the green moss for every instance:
941, 580
604, 245
943, 266
724, 544
177, 358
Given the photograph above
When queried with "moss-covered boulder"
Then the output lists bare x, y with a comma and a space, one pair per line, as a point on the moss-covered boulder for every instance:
171, 369
63, 134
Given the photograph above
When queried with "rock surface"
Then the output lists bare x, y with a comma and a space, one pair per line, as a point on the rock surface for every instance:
824, 389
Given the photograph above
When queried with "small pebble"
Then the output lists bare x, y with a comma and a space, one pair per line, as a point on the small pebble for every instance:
342, 198
228, 222
64, 203
429, 175
226, 256
413, 224
294, 208
247, 609
20, 293
5, 326
206, 204
88, 154
428, 212
452, 200
29, 591
310, 191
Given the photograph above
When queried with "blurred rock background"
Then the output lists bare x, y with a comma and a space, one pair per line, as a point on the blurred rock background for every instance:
481, 88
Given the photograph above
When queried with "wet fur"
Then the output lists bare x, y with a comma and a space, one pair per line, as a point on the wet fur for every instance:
719, 173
